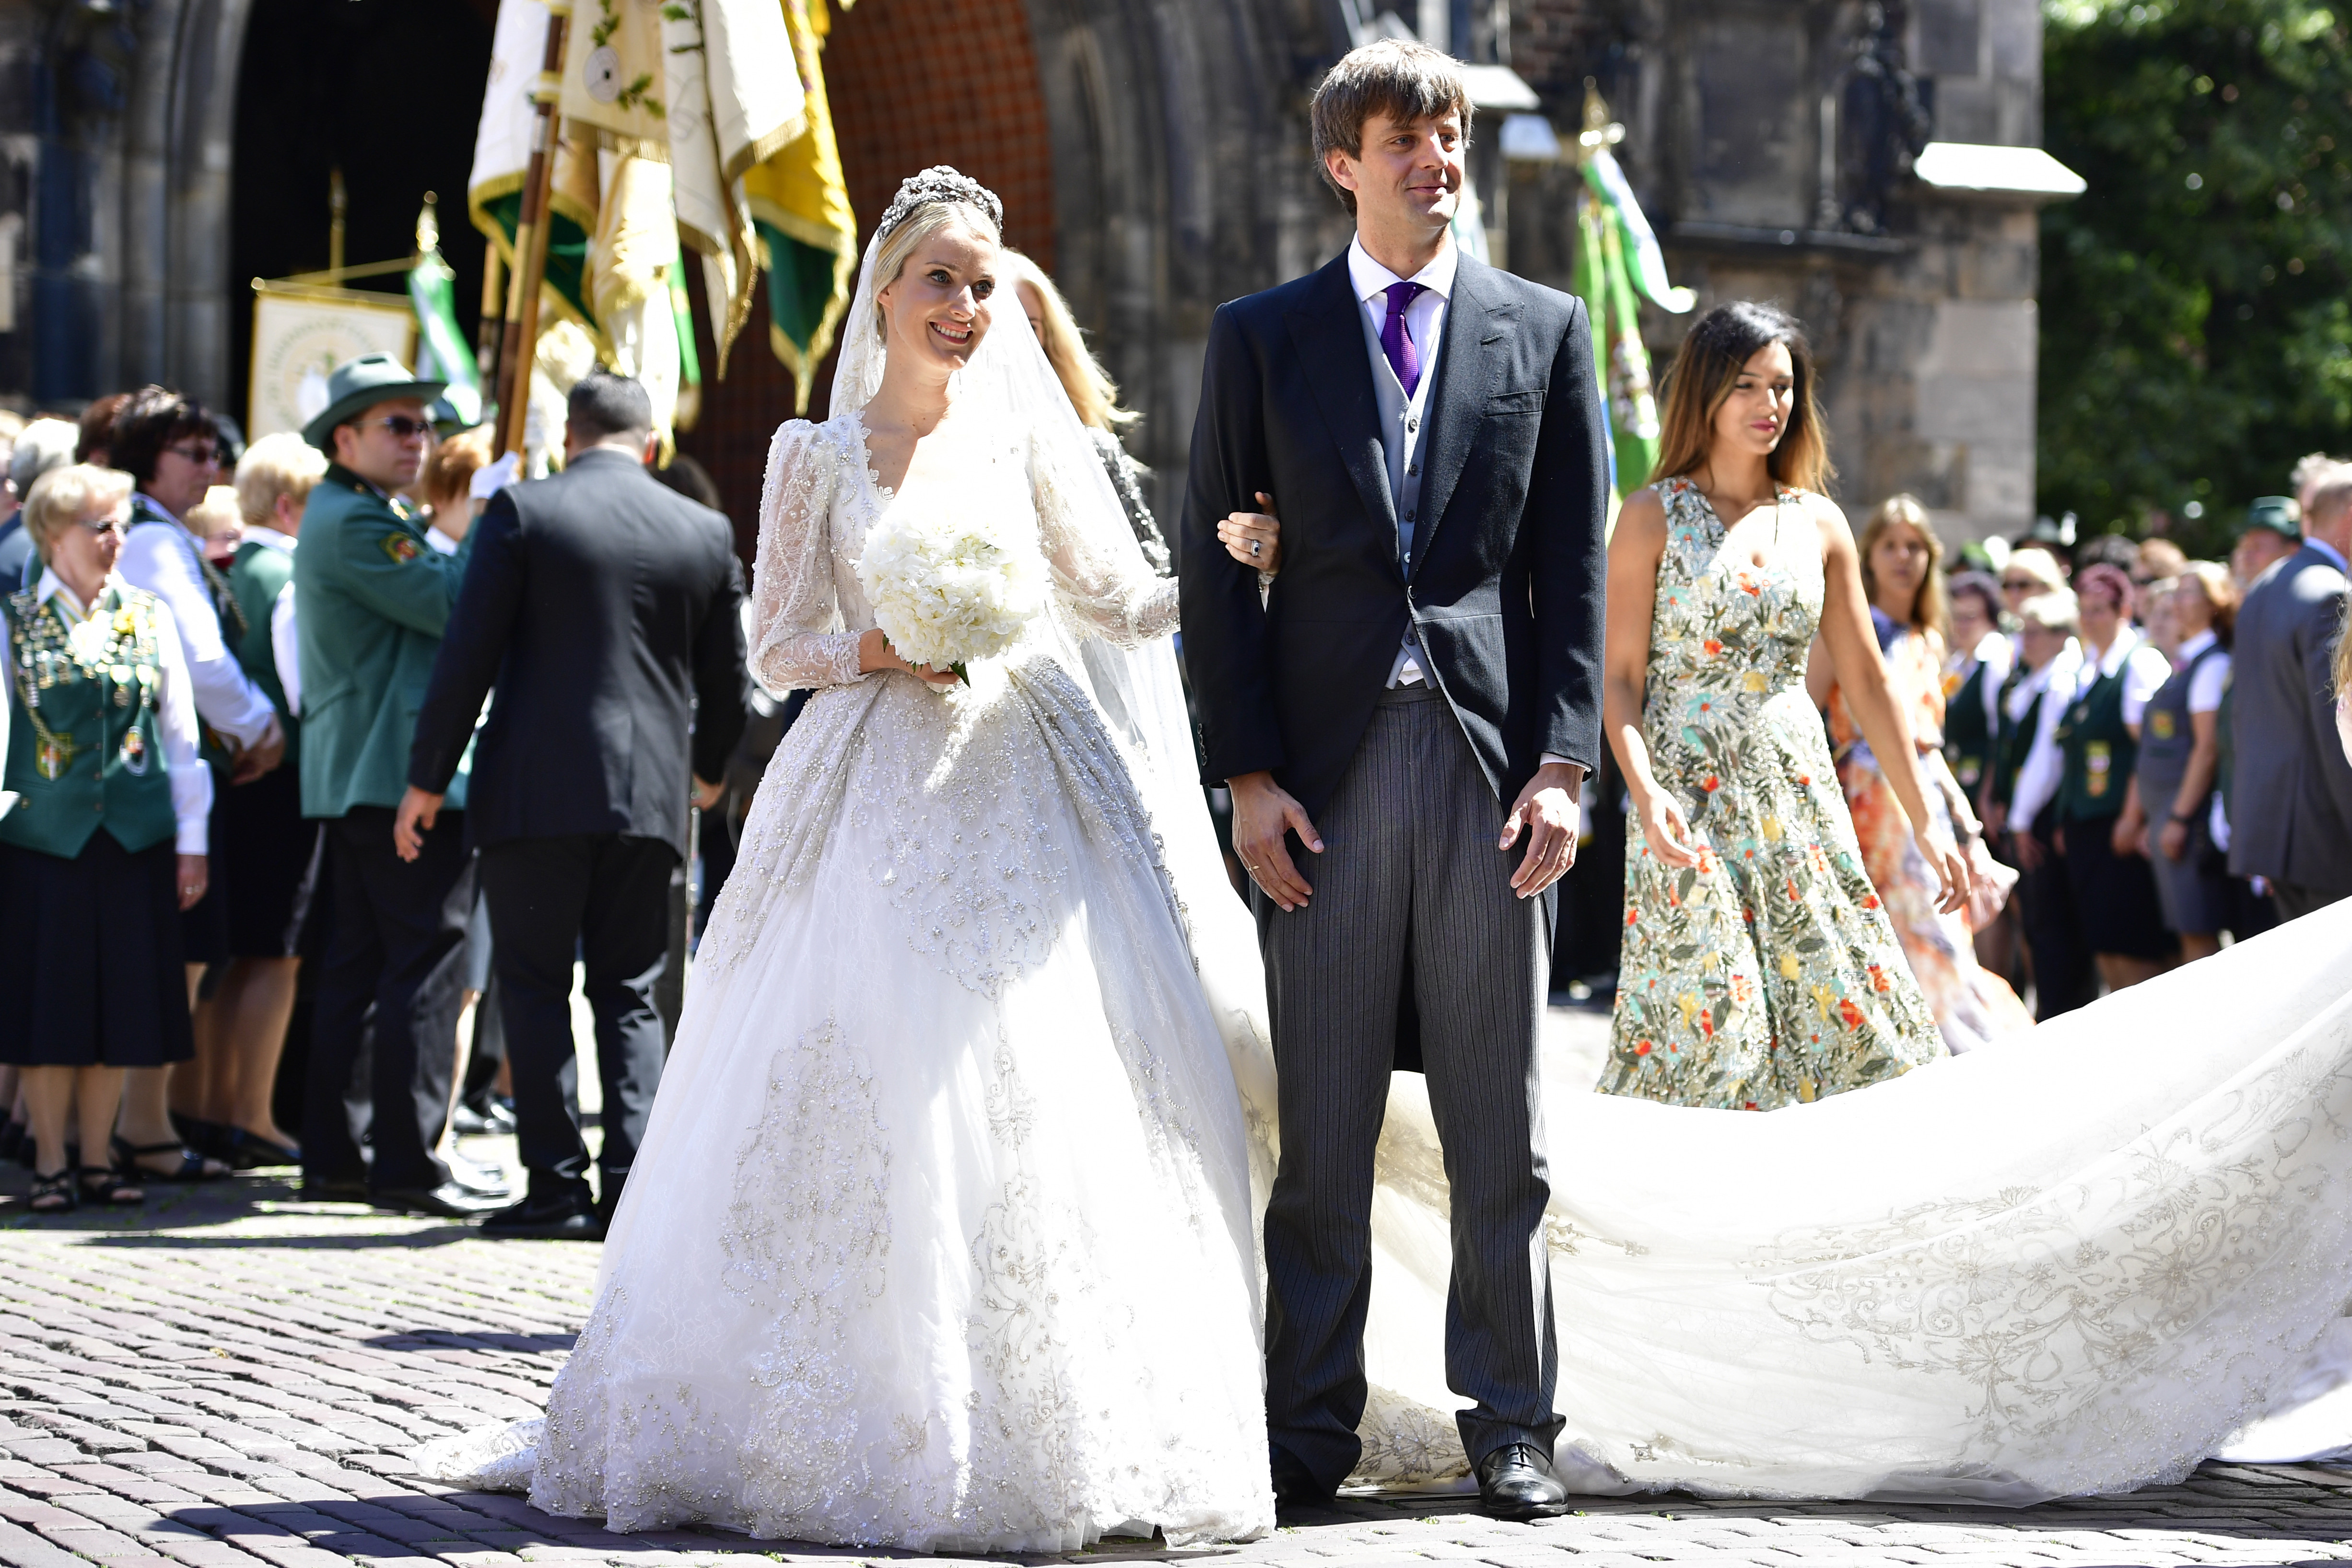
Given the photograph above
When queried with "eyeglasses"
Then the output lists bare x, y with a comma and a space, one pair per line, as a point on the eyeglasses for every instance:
112, 523
404, 428
207, 453
2019, 584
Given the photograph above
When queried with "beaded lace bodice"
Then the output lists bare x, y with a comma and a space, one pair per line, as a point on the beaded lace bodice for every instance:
824, 496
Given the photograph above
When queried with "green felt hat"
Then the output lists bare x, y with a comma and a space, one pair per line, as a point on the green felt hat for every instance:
358, 386
2275, 513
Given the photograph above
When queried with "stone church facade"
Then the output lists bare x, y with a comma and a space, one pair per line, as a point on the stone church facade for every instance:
157, 154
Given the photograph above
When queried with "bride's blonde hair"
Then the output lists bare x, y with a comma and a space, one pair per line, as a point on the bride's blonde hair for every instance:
921, 224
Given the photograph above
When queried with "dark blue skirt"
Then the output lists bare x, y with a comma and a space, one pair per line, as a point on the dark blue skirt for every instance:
90, 967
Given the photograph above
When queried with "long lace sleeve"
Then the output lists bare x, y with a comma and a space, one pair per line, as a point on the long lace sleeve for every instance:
1100, 577
797, 642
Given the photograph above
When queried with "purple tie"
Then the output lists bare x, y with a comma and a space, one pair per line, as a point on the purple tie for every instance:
1395, 341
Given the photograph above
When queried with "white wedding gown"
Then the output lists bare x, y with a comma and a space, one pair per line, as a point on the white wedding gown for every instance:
941, 1234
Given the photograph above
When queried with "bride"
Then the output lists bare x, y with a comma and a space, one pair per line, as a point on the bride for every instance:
942, 1236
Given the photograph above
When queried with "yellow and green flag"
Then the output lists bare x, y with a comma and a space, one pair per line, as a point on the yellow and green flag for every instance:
1617, 254
799, 205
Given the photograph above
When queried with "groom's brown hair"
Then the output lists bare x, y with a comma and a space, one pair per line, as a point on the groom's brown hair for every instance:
1395, 76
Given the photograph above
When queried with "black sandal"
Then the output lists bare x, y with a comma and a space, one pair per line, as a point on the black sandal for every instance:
193, 1167
53, 1194
105, 1185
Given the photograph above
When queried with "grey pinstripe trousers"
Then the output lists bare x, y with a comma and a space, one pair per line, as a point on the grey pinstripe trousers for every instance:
1408, 882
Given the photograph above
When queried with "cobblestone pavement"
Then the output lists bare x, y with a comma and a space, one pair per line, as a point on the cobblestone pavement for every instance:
230, 1378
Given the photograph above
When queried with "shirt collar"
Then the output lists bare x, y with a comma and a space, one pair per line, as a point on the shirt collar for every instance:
1370, 279
2324, 548
158, 508
273, 539
2127, 639
2194, 647
70, 609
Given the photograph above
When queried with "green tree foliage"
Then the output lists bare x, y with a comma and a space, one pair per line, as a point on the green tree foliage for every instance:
2196, 333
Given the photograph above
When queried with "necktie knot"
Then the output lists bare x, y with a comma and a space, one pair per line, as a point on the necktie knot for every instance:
1396, 340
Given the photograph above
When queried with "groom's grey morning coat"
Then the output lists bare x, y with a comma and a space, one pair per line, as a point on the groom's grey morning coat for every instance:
1506, 592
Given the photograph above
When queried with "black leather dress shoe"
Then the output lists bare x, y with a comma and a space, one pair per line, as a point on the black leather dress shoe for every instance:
335, 1189
449, 1200
1515, 1481
545, 1220
1295, 1485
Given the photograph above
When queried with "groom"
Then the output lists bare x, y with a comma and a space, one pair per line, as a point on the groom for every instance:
1405, 727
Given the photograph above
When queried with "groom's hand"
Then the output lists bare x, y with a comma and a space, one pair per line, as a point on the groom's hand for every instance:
1262, 812
1548, 811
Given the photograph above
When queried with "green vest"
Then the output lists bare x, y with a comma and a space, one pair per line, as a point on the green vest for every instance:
85, 747
2014, 742
2100, 751
257, 576
370, 599
1967, 736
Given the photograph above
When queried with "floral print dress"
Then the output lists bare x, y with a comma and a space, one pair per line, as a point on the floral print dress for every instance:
1768, 974
1972, 1006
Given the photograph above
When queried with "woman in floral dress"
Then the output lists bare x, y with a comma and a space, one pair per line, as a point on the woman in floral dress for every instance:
1759, 969
1903, 572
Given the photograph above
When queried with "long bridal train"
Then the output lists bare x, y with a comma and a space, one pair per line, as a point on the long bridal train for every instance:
2077, 1262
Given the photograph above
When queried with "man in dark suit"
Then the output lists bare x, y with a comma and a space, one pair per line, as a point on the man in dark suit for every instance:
2290, 787
603, 607
1420, 693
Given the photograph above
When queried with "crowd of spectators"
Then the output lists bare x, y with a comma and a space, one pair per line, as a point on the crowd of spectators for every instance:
219, 958
2153, 741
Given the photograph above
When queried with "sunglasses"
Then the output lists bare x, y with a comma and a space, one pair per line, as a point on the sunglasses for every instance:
404, 428
112, 523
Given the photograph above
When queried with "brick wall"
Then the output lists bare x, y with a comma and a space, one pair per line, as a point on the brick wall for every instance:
912, 83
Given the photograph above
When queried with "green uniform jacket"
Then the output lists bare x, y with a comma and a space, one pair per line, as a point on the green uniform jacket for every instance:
371, 598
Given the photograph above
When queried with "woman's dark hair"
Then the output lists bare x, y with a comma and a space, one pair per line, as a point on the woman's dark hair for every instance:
1980, 585
2109, 578
1705, 370
151, 419
96, 429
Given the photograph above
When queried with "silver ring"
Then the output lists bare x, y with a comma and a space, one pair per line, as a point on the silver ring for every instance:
1253, 547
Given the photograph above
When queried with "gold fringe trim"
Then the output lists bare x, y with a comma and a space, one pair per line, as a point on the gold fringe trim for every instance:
753, 153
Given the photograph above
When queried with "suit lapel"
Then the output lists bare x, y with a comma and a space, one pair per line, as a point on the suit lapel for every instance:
1329, 336
1470, 357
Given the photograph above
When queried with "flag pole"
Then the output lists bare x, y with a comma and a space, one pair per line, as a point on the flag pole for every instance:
520, 339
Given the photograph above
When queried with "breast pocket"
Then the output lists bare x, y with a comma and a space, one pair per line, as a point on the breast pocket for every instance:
1508, 403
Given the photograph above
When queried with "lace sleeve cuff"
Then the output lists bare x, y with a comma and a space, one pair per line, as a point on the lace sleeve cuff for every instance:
809, 661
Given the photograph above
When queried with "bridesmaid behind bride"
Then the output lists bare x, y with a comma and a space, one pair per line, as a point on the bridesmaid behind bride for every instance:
1759, 969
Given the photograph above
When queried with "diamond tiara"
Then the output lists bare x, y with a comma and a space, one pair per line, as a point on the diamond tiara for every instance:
941, 183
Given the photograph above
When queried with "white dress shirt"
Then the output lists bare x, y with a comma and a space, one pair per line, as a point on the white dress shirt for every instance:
1424, 321
175, 716
2037, 775
284, 651
2143, 665
1996, 655
2212, 677
164, 559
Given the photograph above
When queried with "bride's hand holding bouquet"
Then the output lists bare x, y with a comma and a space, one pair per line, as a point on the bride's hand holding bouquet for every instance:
946, 592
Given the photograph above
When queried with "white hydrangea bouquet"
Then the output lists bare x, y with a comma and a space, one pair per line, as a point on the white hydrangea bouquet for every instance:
949, 589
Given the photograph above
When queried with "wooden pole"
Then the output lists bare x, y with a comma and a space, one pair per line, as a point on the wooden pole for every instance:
491, 321
519, 339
